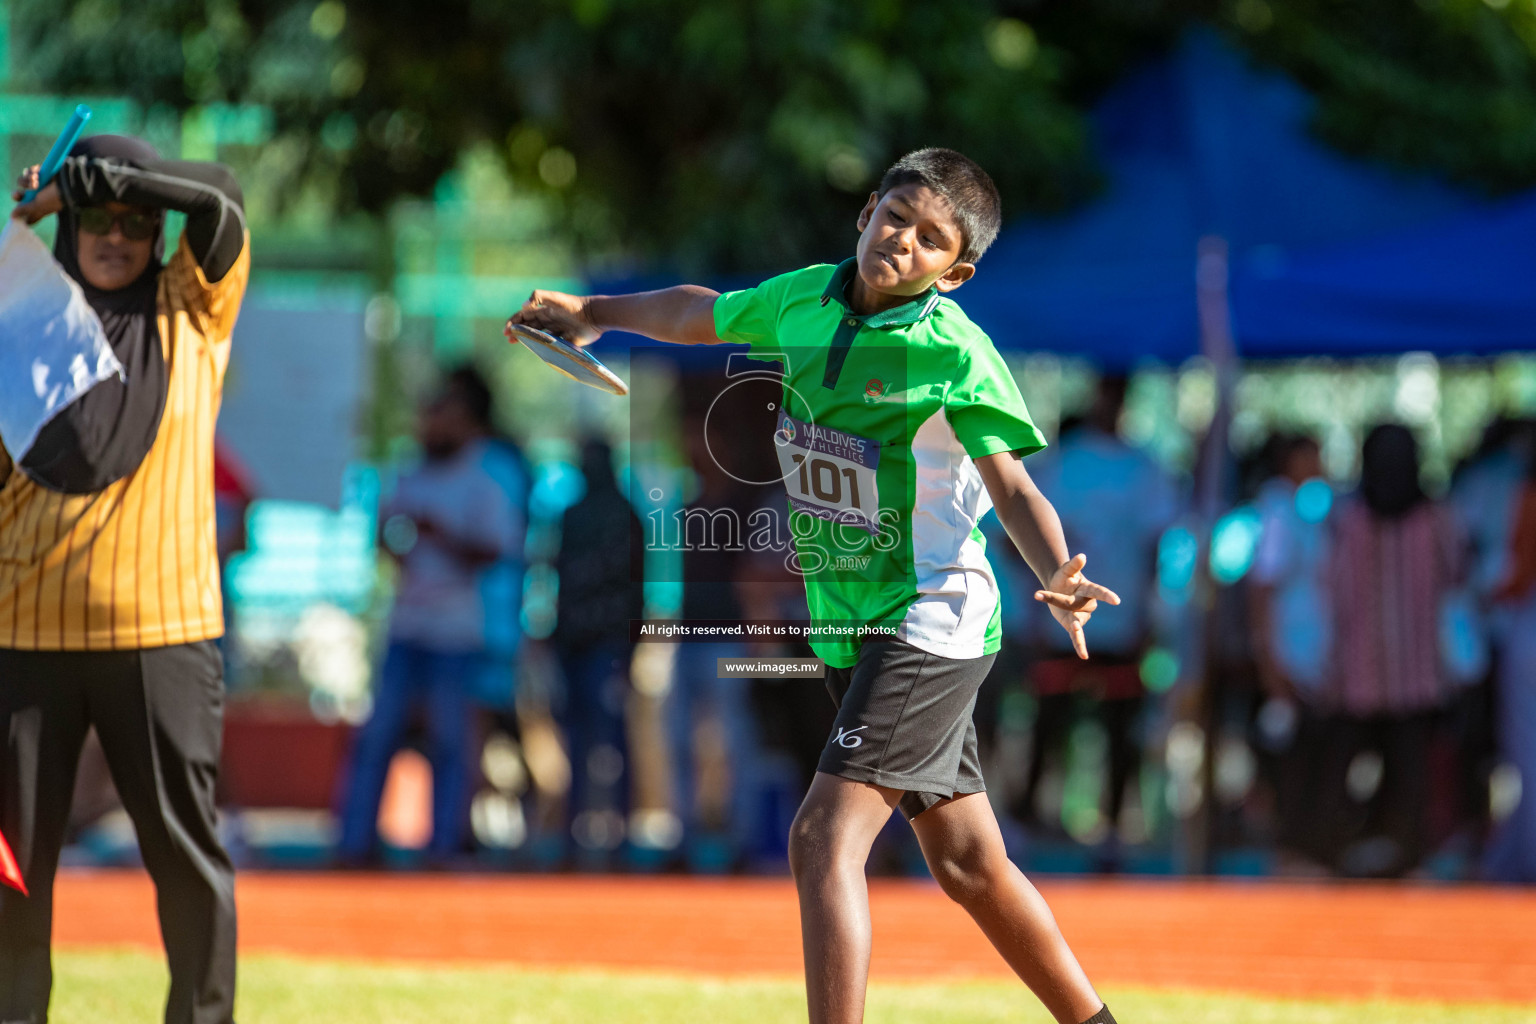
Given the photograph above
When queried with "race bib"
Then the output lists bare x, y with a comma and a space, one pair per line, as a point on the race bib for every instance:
829, 473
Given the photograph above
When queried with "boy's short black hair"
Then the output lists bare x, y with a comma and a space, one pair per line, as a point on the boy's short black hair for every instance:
965, 187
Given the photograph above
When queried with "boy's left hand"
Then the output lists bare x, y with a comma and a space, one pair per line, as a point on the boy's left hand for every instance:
1072, 598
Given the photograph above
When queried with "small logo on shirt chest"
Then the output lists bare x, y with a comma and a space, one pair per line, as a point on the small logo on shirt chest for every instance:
877, 390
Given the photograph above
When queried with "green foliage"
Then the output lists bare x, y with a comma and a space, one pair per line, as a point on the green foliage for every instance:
735, 134
744, 134
747, 134
1448, 85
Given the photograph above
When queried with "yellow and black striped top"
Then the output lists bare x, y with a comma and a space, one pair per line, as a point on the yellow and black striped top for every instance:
134, 565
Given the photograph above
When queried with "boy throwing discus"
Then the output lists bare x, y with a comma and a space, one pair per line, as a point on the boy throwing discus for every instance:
900, 427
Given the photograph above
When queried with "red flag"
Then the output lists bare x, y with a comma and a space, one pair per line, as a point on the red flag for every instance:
10, 873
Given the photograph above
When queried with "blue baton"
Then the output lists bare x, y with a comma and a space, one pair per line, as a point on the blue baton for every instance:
60, 151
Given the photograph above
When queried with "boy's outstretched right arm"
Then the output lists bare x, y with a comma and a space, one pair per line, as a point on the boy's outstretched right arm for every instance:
684, 315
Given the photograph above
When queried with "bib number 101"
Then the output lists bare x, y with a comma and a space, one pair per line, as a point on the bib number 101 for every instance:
824, 479
829, 473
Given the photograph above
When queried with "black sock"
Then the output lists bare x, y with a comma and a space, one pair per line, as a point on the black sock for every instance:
1102, 1017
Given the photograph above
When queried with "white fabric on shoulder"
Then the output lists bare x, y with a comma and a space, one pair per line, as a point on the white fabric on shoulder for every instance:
52, 346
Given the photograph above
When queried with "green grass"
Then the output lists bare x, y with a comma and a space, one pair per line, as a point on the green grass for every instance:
128, 987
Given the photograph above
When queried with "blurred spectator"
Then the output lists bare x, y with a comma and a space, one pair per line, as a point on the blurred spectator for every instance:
1006, 710
792, 716
1291, 625
602, 571
1397, 556
1484, 493
710, 724
501, 583
448, 519
1511, 854
1475, 629
233, 494
1115, 502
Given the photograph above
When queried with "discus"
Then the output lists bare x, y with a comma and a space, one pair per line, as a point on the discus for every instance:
574, 362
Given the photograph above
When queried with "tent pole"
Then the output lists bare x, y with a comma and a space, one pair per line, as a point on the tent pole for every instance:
1213, 473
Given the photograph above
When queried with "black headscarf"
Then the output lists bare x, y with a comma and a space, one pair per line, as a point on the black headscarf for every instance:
103, 436
1389, 471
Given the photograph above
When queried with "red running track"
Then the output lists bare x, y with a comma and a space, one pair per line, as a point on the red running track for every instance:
1452, 944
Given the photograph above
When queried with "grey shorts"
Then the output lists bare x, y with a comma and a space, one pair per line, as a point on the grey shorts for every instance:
904, 722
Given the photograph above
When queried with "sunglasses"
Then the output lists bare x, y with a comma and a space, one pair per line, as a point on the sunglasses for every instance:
135, 226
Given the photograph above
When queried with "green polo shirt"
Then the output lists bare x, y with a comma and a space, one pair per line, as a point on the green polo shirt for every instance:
881, 418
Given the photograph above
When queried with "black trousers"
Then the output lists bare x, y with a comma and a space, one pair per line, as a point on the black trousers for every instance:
159, 715
1397, 809
1054, 719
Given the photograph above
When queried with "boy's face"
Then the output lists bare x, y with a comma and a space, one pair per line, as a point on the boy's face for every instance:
909, 242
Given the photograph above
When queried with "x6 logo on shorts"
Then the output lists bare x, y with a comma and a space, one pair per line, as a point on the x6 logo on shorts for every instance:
846, 737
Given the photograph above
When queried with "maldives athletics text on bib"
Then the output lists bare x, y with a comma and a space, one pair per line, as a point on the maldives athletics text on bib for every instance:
829, 473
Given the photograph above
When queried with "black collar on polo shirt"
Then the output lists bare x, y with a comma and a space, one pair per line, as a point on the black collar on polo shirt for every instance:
918, 308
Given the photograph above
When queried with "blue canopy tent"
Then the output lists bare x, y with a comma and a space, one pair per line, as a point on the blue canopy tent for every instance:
1327, 254
1467, 285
